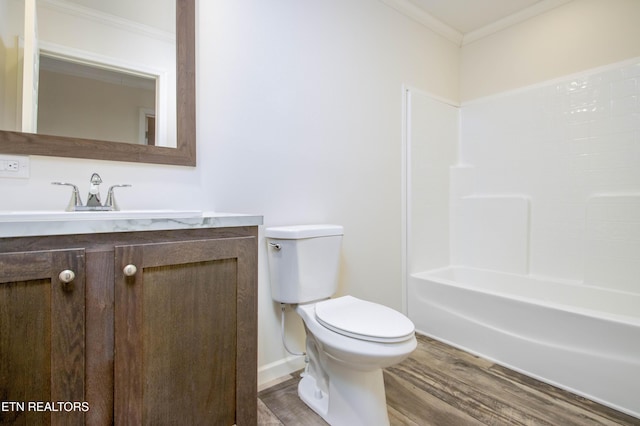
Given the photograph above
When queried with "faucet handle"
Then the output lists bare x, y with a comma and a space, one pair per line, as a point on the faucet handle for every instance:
75, 201
111, 198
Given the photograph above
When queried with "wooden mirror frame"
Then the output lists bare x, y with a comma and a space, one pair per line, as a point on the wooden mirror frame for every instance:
185, 152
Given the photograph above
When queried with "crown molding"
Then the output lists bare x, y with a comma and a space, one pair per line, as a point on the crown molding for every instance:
419, 15
513, 19
407, 8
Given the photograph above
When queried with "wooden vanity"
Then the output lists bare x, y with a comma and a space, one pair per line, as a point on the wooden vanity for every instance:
153, 327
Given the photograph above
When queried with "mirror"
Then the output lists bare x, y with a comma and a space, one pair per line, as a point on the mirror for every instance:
84, 145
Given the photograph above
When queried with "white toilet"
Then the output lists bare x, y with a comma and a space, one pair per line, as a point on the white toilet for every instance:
349, 341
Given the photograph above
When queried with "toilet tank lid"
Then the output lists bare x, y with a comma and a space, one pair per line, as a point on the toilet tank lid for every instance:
297, 232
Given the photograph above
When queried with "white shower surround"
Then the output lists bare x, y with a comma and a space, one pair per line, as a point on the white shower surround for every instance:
544, 198
572, 149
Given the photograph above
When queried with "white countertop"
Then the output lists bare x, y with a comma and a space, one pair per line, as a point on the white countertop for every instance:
42, 223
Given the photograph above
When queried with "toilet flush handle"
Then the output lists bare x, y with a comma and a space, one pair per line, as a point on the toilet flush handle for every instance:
275, 246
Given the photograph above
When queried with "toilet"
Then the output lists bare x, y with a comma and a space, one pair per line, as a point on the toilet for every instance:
349, 340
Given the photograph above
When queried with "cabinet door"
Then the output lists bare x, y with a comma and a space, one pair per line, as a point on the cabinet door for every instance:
42, 337
185, 329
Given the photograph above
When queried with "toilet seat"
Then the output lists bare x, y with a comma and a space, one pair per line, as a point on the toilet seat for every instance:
364, 320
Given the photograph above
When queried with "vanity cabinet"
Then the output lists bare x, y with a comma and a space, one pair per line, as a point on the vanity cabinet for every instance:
157, 327
42, 347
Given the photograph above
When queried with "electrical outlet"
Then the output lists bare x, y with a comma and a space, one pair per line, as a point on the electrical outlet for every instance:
14, 166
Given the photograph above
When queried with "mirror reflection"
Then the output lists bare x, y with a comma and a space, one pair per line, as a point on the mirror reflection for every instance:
90, 69
89, 102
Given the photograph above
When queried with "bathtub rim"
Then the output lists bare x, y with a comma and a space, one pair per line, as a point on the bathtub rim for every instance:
443, 324
429, 275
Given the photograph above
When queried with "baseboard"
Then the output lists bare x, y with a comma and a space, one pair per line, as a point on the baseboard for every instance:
276, 370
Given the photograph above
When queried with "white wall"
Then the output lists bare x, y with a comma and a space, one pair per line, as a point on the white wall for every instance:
300, 119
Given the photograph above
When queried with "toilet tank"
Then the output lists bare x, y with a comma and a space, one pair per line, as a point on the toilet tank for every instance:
303, 261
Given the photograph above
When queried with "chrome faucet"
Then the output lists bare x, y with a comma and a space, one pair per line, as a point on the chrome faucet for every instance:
93, 200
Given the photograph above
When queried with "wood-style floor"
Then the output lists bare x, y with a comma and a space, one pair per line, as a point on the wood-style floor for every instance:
441, 385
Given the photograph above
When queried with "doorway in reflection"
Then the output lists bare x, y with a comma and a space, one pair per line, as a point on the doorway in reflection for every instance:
92, 102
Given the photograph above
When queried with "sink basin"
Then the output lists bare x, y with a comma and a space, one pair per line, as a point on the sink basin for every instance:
36, 216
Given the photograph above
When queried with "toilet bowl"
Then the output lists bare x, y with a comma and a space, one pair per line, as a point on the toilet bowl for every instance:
346, 328
344, 382
349, 340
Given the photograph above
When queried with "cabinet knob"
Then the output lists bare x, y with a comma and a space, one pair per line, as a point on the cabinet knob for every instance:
130, 270
67, 276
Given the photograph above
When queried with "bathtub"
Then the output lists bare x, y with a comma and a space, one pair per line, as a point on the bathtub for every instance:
580, 338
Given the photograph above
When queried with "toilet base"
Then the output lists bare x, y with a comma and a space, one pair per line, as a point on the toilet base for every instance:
316, 399
355, 398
